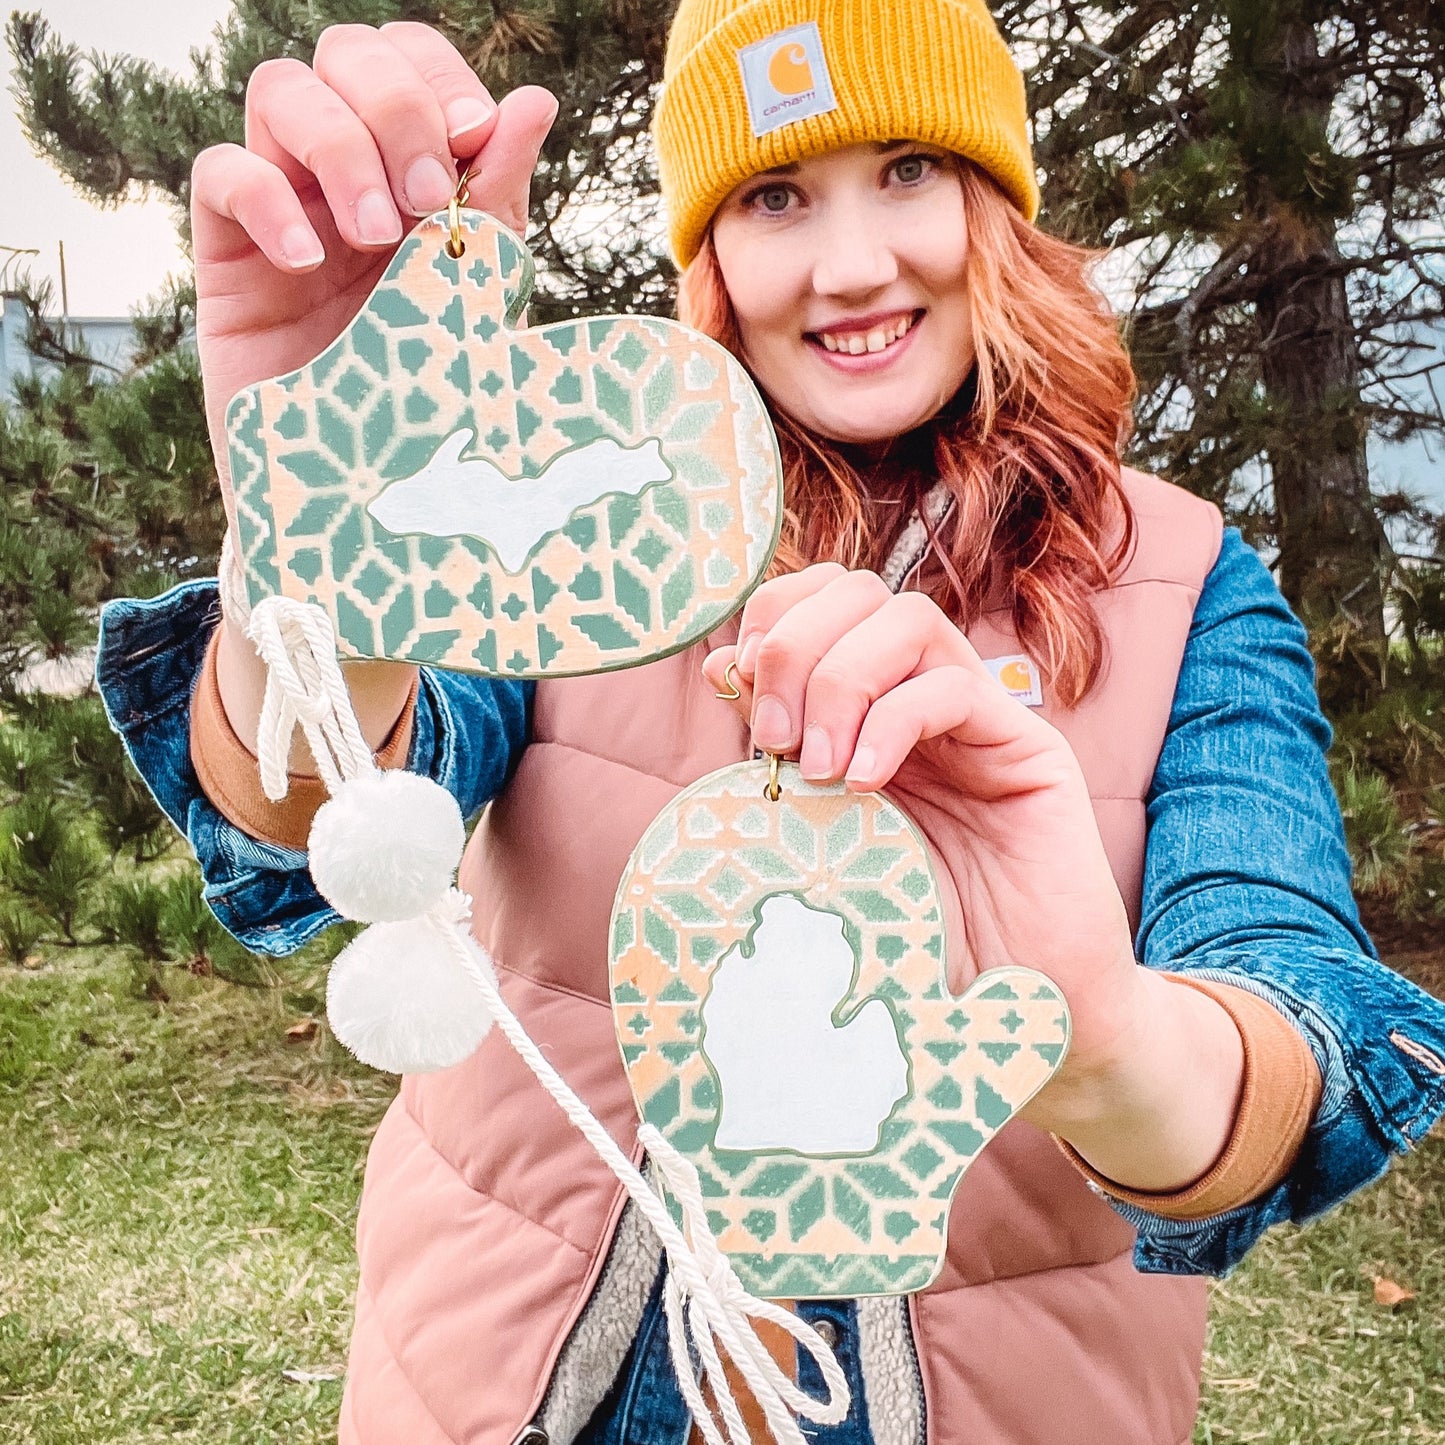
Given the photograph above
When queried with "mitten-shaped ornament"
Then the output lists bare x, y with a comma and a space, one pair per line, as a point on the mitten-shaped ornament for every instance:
441, 486
779, 994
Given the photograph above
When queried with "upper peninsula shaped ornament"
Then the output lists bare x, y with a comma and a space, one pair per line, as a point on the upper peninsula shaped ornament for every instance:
777, 983
565, 499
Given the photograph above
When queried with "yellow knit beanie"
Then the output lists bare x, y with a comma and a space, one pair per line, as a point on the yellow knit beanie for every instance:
752, 84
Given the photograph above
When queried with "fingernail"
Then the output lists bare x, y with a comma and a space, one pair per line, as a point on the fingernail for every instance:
428, 185
748, 657
377, 222
300, 248
465, 115
816, 759
772, 727
864, 766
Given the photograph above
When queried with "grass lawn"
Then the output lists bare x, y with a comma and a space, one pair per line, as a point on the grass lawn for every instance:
178, 1183
178, 1186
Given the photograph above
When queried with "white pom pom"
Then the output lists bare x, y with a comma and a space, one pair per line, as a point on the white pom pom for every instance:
386, 848
399, 999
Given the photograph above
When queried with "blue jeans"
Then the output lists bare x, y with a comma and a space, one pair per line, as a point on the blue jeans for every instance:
645, 1406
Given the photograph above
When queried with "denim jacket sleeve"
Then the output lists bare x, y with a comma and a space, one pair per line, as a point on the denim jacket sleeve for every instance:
1247, 880
467, 736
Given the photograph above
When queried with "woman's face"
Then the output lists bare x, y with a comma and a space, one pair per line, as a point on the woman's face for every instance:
846, 274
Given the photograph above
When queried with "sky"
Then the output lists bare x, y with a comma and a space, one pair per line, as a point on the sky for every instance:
115, 258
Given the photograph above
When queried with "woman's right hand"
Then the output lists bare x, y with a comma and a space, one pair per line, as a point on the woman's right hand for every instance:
292, 231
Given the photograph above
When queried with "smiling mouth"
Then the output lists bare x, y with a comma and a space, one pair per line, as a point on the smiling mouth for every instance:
875, 339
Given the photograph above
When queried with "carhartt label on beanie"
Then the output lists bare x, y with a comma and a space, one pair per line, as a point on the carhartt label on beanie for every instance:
786, 78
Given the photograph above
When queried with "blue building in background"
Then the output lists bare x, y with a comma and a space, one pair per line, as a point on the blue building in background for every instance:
109, 339
1416, 466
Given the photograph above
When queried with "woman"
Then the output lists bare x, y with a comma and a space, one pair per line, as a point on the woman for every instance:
850, 191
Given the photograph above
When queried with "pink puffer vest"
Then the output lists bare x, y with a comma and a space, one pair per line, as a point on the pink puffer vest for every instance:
486, 1219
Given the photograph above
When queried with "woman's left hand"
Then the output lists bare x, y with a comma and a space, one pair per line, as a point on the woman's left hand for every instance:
885, 690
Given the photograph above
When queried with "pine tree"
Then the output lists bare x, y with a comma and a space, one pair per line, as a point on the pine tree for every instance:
1274, 164
107, 486
1276, 168
118, 127
1273, 169
106, 489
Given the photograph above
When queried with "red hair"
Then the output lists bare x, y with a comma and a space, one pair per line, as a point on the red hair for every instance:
1030, 448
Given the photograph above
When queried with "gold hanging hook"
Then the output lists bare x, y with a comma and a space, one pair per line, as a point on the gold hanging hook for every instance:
455, 245
730, 682
774, 789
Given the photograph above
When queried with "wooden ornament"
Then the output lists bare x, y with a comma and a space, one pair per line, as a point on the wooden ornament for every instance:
551, 501
777, 981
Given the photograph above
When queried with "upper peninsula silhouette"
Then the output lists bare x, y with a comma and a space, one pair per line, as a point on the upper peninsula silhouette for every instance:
458, 496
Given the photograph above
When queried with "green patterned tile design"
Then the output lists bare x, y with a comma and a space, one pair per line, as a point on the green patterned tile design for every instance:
619, 476
815, 1224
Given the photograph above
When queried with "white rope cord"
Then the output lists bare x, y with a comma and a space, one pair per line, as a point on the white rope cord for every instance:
304, 687
704, 1297
704, 1301
234, 602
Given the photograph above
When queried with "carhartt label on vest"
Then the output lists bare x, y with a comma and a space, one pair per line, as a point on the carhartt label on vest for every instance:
1018, 677
785, 78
